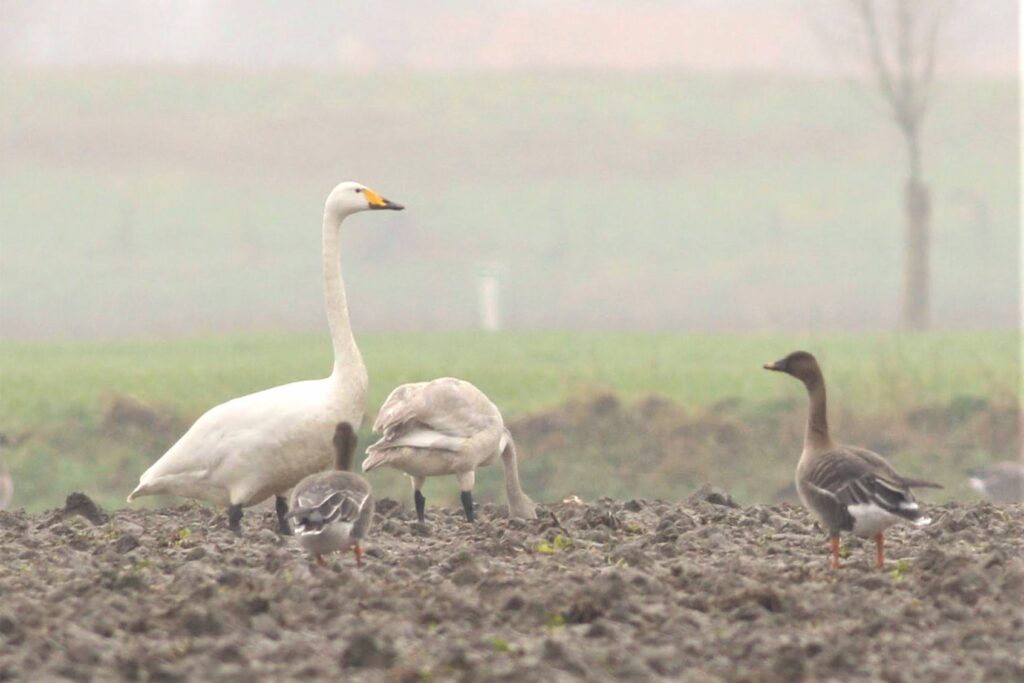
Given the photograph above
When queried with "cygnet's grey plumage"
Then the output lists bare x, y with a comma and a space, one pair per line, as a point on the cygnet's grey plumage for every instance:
446, 426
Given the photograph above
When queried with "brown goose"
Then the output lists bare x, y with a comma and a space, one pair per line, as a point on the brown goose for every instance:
849, 489
333, 510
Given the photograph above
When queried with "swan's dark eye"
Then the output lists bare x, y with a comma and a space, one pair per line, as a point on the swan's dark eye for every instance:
358, 190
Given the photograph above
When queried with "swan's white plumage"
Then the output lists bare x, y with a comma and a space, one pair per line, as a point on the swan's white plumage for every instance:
254, 446
262, 444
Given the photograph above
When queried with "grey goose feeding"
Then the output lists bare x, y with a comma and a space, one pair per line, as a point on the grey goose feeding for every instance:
332, 511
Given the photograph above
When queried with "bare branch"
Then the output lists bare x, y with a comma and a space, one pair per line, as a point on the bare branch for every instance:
831, 41
905, 50
930, 49
876, 52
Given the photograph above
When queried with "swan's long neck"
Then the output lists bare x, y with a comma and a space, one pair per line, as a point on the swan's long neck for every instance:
816, 436
346, 354
519, 504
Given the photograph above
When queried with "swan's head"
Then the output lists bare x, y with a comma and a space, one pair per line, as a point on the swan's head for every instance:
349, 197
799, 364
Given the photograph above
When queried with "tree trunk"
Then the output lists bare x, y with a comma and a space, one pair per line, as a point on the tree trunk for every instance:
915, 265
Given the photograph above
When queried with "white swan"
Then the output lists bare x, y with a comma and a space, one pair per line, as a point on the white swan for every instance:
243, 451
446, 426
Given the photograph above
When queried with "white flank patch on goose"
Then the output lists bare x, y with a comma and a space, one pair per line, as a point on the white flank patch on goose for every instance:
869, 519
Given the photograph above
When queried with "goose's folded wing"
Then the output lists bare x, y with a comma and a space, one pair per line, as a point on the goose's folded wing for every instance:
881, 467
853, 480
337, 506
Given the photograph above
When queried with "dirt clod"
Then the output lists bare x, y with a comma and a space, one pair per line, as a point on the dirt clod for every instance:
126, 543
713, 495
83, 506
366, 650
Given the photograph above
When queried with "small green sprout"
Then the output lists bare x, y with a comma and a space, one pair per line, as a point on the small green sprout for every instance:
559, 544
899, 572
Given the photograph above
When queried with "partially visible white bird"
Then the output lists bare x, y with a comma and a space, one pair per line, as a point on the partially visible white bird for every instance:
446, 426
333, 511
243, 451
1001, 482
6, 486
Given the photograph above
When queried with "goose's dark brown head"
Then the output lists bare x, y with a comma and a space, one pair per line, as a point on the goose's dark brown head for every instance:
799, 364
345, 441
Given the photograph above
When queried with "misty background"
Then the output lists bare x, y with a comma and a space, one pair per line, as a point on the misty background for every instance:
706, 166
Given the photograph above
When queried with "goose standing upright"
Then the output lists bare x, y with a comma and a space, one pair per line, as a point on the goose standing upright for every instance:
333, 510
446, 426
241, 452
848, 488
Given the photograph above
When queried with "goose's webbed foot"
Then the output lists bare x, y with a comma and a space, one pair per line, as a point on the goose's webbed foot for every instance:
281, 505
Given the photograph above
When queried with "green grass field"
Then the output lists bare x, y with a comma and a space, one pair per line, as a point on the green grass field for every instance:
55, 398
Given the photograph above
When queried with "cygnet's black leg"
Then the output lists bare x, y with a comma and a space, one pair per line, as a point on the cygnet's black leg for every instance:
421, 504
235, 519
467, 504
281, 505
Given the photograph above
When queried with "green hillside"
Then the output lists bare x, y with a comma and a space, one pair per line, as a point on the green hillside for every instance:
627, 415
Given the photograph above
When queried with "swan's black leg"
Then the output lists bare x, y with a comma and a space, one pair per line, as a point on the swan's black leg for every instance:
421, 504
467, 504
235, 519
281, 505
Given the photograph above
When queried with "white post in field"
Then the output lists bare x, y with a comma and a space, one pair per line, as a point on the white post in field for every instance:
488, 295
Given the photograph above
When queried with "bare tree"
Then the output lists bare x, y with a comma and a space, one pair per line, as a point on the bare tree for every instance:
897, 40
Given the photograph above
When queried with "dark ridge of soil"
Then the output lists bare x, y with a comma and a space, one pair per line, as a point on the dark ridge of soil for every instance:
633, 590
658, 447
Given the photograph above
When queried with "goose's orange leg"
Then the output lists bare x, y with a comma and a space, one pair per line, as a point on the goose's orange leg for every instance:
834, 542
879, 551
359, 554
320, 561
